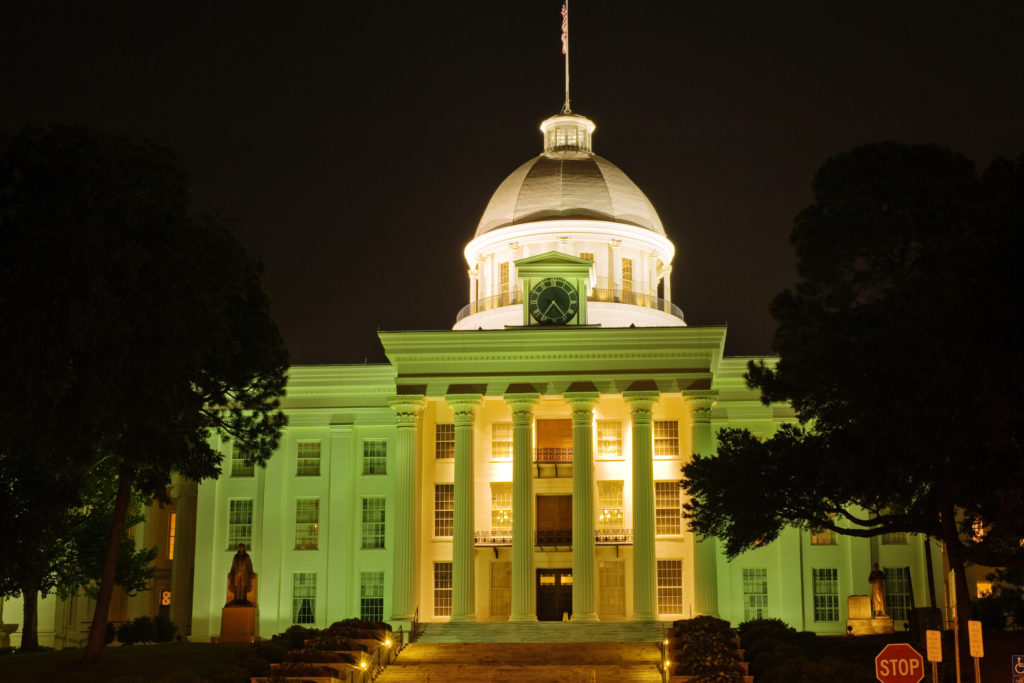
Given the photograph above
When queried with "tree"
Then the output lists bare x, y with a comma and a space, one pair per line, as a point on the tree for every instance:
898, 350
140, 329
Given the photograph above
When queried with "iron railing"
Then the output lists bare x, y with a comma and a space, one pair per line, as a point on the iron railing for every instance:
548, 454
554, 537
493, 537
613, 536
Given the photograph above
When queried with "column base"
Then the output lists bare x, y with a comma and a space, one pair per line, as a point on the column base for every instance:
585, 617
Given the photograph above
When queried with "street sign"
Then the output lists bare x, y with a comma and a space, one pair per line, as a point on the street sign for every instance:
934, 639
1017, 668
974, 638
899, 663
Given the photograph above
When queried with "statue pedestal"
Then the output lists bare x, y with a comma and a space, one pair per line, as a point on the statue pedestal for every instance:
861, 621
238, 624
5, 633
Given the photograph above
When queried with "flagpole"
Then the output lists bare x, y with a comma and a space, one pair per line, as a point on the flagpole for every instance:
565, 51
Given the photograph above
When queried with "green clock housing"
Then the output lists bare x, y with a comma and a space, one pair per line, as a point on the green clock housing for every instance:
553, 301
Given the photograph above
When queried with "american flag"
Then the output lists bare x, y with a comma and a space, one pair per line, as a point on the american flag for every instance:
565, 28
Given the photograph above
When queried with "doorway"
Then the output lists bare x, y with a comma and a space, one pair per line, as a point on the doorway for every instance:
554, 594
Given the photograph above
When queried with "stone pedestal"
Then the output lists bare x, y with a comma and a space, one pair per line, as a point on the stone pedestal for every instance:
5, 634
238, 624
861, 622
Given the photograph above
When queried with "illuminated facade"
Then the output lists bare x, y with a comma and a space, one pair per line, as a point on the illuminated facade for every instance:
525, 464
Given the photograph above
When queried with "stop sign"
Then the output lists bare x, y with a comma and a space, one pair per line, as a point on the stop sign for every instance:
899, 663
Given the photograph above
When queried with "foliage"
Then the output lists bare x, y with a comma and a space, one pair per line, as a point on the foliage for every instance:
294, 637
754, 630
704, 646
159, 629
134, 330
899, 352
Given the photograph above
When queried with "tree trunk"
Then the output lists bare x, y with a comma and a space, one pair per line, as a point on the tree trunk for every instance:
30, 619
97, 632
955, 556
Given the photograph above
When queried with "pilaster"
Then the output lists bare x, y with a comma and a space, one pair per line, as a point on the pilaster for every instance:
524, 596
706, 549
584, 564
463, 607
403, 596
644, 585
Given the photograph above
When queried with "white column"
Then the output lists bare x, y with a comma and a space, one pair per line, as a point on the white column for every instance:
706, 549
185, 492
463, 608
667, 274
615, 266
403, 596
473, 283
644, 604
524, 596
584, 563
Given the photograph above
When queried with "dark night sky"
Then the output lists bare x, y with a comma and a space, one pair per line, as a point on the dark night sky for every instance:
358, 143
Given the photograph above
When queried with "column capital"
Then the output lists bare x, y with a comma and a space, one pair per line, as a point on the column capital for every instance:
700, 403
463, 405
407, 407
582, 404
641, 402
522, 403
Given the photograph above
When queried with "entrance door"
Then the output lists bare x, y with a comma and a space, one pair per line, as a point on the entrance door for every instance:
554, 521
554, 594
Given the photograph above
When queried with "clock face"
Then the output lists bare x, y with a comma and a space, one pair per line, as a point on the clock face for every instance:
553, 301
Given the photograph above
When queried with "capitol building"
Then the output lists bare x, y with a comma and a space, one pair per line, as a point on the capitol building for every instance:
523, 465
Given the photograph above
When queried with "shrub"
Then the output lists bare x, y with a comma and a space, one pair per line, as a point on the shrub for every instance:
139, 630
163, 629
270, 651
294, 638
755, 629
990, 612
706, 647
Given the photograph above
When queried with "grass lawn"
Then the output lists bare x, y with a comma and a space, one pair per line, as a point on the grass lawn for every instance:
140, 662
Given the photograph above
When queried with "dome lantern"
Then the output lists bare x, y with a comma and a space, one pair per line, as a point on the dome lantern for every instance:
568, 132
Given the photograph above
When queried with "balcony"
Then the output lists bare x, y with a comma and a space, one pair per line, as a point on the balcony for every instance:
493, 537
552, 455
604, 291
552, 539
613, 536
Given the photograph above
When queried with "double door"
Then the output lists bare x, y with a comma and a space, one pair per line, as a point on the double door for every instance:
554, 594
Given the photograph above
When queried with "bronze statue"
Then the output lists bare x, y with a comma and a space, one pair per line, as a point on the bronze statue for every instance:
877, 581
240, 576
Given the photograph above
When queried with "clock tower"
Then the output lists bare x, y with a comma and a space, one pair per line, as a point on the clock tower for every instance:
555, 288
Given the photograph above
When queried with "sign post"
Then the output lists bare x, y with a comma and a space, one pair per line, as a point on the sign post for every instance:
1017, 668
899, 663
934, 641
976, 646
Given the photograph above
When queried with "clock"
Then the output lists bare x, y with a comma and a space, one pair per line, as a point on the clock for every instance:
553, 301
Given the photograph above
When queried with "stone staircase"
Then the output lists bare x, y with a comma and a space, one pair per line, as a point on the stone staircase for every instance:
607, 652
525, 662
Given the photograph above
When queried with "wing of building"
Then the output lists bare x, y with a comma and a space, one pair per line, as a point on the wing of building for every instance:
523, 465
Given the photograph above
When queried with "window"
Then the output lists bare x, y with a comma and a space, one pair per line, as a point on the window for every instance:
611, 588
304, 598
670, 586
504, 284
170, 535
442, 589
444, 509
501, 589
588, 255
609, 505
898, 593
894, 538
609, 439
309, 459
307, 523
826, 594
373, 522
375, 456
666, 438
501, 506
667, 512
627, 275
239, 523
371, 596
823, 537
501, 440
444, 441
240, 467
755, 594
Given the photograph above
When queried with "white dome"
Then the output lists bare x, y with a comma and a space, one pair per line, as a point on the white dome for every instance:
568, 181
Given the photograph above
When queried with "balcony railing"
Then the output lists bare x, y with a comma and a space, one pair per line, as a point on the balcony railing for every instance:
546, 454
503, 537
604, 291
613, 536
551, 538
495, 537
